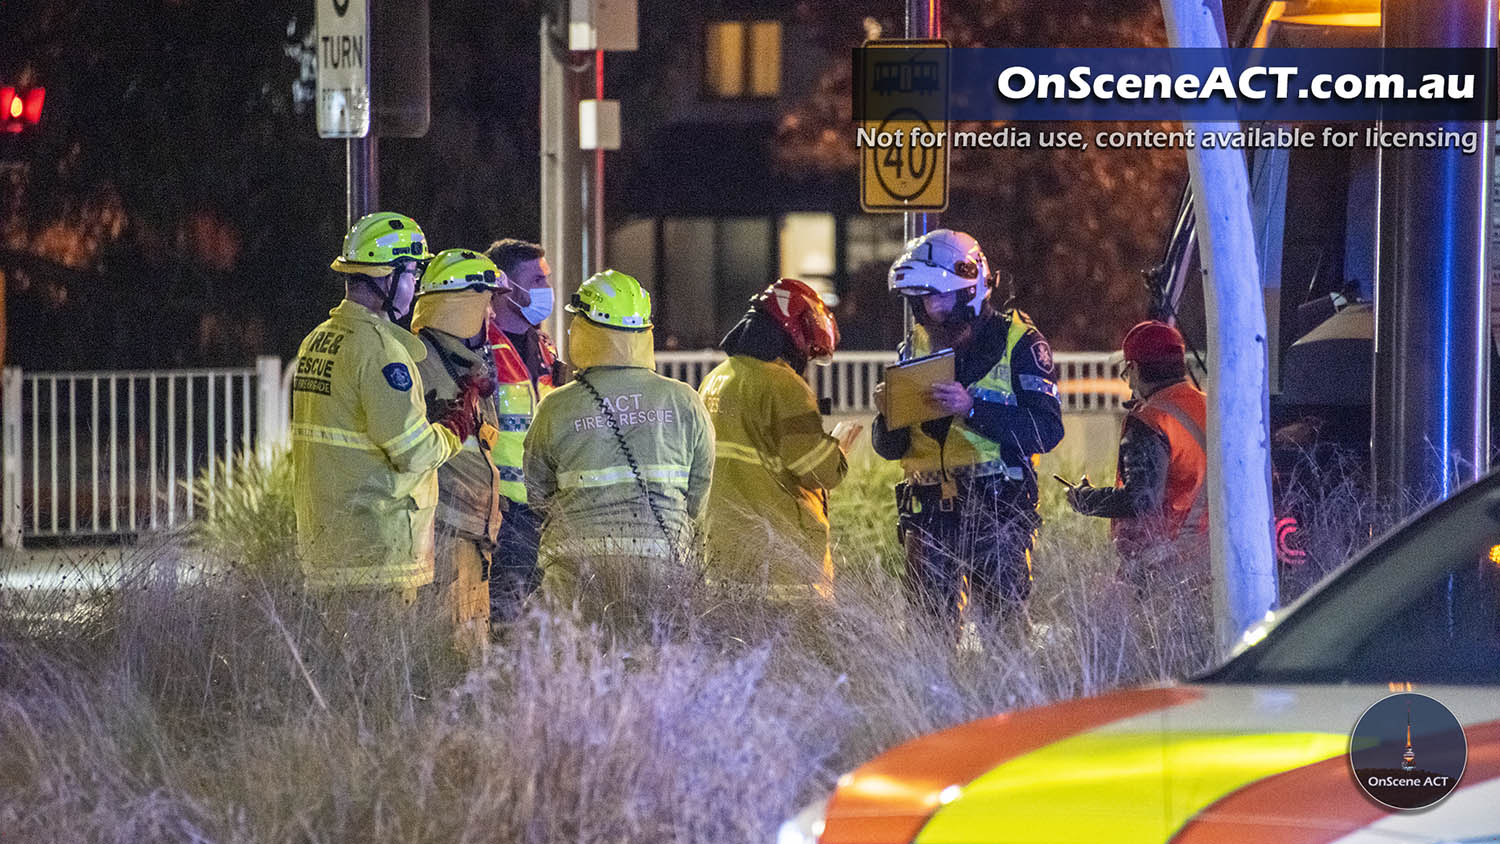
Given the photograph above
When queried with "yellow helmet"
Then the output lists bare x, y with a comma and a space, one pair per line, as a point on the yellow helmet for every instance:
461, 269
379, 241
614, 300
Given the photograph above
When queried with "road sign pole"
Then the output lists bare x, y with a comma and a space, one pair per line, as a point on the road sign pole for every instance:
363, 180
593, 189
923, 20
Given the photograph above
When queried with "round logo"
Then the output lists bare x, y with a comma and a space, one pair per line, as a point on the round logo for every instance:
1408, 751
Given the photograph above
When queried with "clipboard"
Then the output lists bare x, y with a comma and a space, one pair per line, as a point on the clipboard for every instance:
907, 385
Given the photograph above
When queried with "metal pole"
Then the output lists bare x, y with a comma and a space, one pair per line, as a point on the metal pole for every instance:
562, 221
10, 457
923, 20
596, 259
1430, 431
363, 195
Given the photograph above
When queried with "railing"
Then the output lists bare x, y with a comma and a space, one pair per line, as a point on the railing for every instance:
114, 453
1087, 381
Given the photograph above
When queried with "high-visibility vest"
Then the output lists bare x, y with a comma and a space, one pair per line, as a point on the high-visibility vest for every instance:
965, 453
1179, 413
517, 396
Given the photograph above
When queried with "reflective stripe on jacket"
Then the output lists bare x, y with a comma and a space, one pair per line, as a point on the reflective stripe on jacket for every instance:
364, 456
580, 478
516, 396
965, 452
773, 466
1179, 413
468, 484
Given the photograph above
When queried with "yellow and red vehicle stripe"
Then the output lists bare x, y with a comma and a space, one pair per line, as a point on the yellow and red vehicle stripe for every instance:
891, 799
1323, 790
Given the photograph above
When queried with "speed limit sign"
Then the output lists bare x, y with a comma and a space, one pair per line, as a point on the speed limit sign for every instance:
903, 163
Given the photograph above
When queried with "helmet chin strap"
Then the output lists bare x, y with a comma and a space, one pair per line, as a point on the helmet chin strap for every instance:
387, 297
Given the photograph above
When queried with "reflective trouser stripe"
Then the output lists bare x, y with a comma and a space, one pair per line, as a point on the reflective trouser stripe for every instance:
612, 546
319, 576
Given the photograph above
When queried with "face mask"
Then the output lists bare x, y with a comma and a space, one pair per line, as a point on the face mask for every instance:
540, 307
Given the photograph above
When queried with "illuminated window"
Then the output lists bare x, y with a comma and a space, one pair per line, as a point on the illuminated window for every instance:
807, 250
742, 59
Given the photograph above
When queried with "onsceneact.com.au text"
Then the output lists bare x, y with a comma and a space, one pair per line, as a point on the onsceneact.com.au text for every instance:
1018, 84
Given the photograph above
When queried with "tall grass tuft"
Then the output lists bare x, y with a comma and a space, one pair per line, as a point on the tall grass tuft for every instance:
249, 517
232, 707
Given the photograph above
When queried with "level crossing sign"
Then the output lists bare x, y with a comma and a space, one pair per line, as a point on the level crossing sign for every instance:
901, 110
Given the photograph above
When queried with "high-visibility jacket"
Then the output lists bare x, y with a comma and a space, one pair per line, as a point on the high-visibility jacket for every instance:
966, 453
517, 396
585, 484
364, 456
1179, 413
773, 467
468, 484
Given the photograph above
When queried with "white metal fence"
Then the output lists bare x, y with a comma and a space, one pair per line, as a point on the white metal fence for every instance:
1087, 381
113, 453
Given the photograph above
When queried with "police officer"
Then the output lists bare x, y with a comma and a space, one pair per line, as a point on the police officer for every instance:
450, 316
1158, 507
364, 455
968, 503
774, 464
526, 369
619, 460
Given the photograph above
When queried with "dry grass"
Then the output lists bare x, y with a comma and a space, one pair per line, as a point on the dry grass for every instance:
230, 707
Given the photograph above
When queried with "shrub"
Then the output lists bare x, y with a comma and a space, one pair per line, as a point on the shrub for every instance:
248, 516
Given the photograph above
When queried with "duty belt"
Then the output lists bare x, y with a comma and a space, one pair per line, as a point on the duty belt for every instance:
975, 470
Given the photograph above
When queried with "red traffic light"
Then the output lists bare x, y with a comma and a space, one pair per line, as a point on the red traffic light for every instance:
19, 109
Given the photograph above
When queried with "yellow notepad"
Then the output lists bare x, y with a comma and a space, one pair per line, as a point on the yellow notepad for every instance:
907, 387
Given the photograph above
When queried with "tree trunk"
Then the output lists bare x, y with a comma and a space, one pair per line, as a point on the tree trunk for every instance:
1239, 457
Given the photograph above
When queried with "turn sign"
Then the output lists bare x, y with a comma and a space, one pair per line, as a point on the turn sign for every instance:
343, 68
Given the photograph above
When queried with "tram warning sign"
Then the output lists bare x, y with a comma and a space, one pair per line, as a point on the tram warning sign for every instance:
901, 111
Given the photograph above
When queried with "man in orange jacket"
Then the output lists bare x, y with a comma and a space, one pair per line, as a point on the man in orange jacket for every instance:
1158, 506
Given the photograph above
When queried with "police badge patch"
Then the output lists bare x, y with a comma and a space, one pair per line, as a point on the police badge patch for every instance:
1043, 355
397, 376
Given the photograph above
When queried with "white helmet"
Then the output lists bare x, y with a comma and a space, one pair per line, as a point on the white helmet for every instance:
940, 261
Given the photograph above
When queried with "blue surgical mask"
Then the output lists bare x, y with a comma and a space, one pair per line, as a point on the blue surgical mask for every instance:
540, 307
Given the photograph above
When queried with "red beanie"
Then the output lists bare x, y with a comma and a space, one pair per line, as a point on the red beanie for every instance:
1154, 342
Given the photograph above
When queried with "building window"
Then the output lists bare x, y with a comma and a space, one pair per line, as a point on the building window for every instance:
742, 59
807, 251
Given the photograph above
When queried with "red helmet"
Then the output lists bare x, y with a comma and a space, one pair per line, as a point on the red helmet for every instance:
800, 312
1154, 342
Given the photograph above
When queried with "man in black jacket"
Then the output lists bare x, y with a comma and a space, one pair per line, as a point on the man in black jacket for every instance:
968, 505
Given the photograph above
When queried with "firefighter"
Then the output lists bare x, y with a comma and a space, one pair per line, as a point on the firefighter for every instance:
527, 368
1158, 506
451, 316
619, 460
773, 464
364, 455
968, 504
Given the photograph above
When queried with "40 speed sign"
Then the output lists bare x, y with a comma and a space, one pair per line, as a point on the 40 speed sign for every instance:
901, 107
